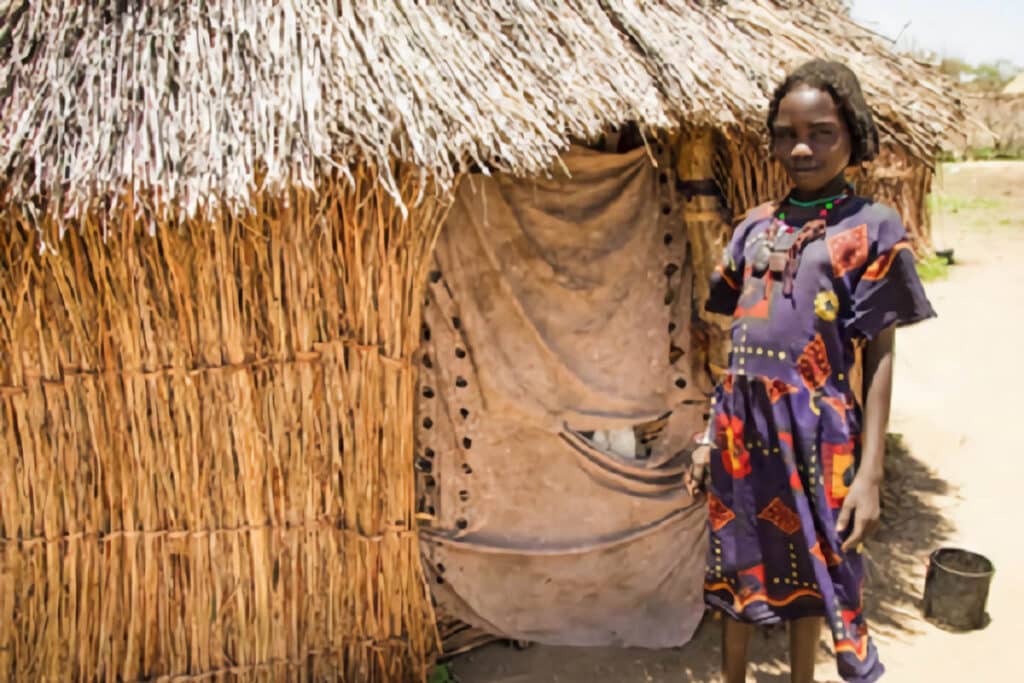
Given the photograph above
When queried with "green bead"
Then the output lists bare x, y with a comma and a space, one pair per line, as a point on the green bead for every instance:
782, 216
829, 206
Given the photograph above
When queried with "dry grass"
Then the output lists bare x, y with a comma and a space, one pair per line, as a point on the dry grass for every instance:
201, 105
205, 468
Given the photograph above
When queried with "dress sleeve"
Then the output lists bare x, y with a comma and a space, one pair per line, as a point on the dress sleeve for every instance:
888, 290
727, 278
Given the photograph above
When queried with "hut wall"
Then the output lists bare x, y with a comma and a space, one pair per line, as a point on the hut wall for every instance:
206, 445
1002, 129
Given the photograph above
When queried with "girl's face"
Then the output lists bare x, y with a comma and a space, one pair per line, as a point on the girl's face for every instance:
810, 138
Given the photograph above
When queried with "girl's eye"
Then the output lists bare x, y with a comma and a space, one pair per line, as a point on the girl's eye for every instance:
823, 135
784, 135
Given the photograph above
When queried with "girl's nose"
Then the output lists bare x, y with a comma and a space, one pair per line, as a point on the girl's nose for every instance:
802, 149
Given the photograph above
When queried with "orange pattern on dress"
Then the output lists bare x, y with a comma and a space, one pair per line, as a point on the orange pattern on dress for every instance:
777, 389
836, 459
813, 364
761, 309
856, 632
735, 457
837, 404
826, 554
740, 603
782, 516
718, 514
725, 277
848, 249
816, 551
879, 268
751, 582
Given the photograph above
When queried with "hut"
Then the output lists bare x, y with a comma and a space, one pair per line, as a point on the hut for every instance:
998, 121
1016, 86
216, 222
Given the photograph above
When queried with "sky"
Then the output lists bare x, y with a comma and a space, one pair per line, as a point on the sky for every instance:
972, 30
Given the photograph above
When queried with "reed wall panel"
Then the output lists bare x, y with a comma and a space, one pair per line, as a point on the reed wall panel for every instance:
206, 443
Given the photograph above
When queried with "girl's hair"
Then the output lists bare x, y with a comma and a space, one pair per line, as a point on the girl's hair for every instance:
841, 83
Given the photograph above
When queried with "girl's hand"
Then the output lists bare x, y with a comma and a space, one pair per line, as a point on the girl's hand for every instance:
862, 504
696, 476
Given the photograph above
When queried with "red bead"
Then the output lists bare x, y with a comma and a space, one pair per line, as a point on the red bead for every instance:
824, 212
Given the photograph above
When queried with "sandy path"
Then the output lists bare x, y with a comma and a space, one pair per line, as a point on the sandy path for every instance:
954, 480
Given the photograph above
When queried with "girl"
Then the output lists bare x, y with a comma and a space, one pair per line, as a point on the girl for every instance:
794, 467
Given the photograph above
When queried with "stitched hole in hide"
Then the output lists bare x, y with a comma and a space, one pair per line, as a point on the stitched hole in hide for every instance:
430, 482
424, 465
467, 469
671, 328
671, 269
668, 238
435, 276
669, 297
427, 363
462, 523
460, 352
463, 495
666, 209
428, 452
663, 178
426, 333
467, 443
427, 423
464, 413
461, 383
456, 323
428, 392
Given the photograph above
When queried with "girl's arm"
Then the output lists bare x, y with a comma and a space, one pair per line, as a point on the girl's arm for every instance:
862, 501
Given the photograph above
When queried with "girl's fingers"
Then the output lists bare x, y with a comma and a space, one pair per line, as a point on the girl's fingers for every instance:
856, 537
695, 479
844, 515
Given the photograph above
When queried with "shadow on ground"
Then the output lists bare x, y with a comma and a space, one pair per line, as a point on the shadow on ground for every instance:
912, 527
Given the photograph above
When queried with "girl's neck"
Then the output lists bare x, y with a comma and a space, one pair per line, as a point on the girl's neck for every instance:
836, 187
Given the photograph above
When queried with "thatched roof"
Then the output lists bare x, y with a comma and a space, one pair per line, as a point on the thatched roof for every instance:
1016, 86
196, 102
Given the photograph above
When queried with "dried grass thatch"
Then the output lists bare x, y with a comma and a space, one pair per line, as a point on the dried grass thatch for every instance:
205, 439
191, 104
998, 124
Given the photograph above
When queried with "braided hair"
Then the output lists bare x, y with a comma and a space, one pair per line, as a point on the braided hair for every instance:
841, 83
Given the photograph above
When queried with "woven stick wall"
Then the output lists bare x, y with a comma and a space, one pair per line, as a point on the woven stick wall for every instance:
206, 444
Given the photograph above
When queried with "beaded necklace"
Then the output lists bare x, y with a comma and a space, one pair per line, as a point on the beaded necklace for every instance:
780, 245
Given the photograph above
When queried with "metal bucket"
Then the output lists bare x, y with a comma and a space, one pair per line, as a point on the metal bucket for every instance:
956, 589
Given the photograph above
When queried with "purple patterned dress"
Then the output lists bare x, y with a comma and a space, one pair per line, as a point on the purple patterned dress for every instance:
786, 423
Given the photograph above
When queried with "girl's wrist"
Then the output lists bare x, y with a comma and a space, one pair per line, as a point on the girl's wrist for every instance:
870, 476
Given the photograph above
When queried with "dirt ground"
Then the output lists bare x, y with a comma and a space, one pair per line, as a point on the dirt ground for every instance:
952, 474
